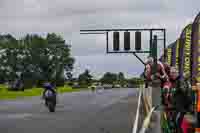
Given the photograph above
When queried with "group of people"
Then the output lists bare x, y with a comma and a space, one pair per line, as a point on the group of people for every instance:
173, 91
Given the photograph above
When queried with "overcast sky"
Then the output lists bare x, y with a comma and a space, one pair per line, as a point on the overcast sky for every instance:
67, 17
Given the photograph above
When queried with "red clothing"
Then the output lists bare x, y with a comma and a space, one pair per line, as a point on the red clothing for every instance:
167, 85
167, 68
160, 71
170, 83
185, 125
148, 71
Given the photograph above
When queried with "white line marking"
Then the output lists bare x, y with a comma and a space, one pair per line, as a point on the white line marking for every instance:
134, 130
15, 116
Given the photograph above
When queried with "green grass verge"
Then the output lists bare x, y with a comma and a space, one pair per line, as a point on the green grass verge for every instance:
6, 94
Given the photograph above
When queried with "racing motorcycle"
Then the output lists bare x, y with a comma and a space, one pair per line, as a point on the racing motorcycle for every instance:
50, 100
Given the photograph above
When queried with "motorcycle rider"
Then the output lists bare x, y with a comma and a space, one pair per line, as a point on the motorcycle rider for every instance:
48, 86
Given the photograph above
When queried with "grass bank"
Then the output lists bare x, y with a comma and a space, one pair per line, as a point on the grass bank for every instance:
6, 94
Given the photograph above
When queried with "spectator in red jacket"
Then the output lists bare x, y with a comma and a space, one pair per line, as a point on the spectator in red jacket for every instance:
160, 72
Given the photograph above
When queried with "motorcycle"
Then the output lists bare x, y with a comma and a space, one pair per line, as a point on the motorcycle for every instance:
50, 100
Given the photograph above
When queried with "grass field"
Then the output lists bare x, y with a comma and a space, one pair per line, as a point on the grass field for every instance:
6, 94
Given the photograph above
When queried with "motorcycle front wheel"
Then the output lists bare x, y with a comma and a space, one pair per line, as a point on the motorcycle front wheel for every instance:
51, 106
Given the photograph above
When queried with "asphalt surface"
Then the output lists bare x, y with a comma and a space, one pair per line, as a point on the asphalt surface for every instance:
109, 111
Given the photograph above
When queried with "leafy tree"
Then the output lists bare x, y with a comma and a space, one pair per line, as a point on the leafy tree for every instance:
121, 76
121, 79
34, 58
62, 61
9, 57
85, 78
135, 82
109, 78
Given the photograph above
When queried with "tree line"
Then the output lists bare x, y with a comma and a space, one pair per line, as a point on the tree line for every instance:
86, 79
34, 59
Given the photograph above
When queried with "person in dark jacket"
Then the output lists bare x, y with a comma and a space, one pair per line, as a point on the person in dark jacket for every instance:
48, 86
182, 102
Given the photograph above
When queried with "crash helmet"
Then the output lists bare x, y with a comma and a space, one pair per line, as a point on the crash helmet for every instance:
47, 85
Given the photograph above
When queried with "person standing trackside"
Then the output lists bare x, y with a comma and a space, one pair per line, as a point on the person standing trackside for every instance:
160, 72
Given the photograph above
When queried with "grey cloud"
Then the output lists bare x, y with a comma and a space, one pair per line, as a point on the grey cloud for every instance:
67, 17
62, 8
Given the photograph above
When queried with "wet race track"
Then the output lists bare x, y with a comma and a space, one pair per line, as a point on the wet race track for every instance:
108, 111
